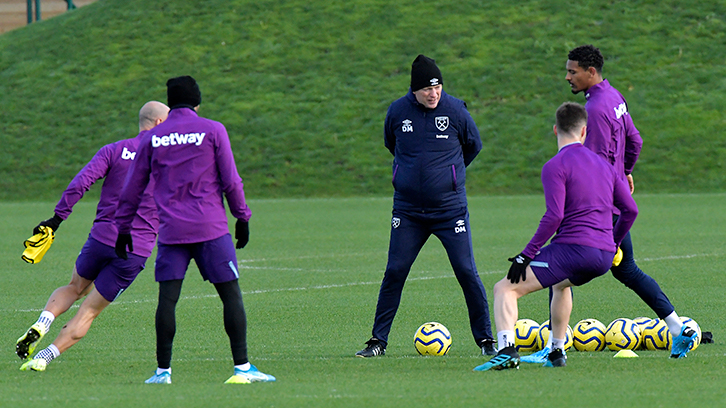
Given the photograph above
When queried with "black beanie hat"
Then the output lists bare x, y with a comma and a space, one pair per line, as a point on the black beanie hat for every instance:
184, 91
424, 73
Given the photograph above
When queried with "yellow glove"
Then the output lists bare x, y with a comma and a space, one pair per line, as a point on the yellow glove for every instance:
618, 257
37, 245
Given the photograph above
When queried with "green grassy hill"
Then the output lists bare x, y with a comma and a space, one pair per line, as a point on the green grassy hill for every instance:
303, 86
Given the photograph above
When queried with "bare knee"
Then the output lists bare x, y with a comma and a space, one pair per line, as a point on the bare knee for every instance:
80, 285
502, 288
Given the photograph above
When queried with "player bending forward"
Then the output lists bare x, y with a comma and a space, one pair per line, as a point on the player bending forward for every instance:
97, 263
580, 190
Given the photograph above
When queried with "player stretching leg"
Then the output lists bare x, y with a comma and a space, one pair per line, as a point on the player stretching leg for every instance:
580, 192
97, 263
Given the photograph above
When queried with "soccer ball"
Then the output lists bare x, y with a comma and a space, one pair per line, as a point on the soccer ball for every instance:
656, 335
544, 335
622, 334
642, 322
525, 335
693, 325
432, 339
589, 335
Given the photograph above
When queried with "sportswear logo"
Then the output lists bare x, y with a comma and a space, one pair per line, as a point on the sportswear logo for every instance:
119, 292
460, 226
442, 123
395, 222
177, 139
127, 154
621, 110
232, 267
434, 81
407, 126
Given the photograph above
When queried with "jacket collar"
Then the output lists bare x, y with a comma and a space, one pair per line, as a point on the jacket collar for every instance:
595, 89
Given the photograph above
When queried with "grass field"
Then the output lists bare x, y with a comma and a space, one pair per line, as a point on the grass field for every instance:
303, 86
310, 278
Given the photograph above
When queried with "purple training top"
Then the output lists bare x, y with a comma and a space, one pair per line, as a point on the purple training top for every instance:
610, 130
113, 162
191, 161
580, 192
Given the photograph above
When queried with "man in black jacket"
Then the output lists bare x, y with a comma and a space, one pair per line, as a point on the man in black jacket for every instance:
432, 138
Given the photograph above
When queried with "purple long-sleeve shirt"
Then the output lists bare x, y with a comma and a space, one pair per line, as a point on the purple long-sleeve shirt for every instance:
580, 192
113, 162
610, 129
191, 161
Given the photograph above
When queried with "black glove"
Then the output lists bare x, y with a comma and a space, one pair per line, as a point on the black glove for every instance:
242, 233
122, 242
518, 270
53, 223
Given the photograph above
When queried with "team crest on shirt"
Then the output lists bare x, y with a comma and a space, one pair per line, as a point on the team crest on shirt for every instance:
442, 123
395, 222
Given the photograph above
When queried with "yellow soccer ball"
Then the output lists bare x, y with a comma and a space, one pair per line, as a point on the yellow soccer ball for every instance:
544, 335
432, 339
656, 335
622, 334
589, 335
525, 335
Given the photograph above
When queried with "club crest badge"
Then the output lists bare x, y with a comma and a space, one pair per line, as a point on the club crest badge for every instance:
395, 222
442, 123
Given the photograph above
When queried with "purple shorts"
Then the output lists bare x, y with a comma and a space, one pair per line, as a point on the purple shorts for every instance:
110, 274
578, 263
216, 260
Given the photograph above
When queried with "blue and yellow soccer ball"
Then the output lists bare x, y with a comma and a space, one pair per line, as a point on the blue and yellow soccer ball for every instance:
622, 334
589, 335
525, 335
693, 325
544, 335
656, 335
432, 339
642, 322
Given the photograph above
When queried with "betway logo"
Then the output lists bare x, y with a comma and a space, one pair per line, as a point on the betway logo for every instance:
621, 110
127, 154
173, 139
